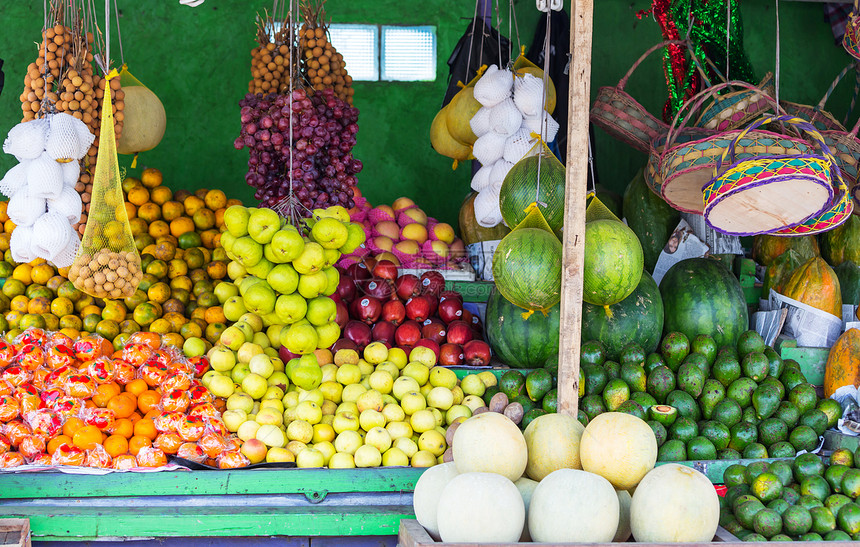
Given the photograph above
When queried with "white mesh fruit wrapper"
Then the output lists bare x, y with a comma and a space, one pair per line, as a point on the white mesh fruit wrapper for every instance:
481, 179
26, 141
85, 138
45, 177
64, 143
71, 173
528, 94
505, 118
534, 125
480, 122
518, 145
487, 211
14, 179
488, 148
499, 171
24, 209
69, 205
19, 244
66, 256
494, 86
51, 234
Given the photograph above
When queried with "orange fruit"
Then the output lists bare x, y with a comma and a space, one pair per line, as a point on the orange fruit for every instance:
152, 457
159, 292
149, 338
42, 273
105, 392
204, 219
193, 204
87, 437
215, 314
161, 195
172, 210
39, 305
138, 195
148, 400
19, 303
173, 339
165, 250
72, 425
135, 416
216, 269
149, 212
137, 442
234, 201
159, 228
215, 199
123, 427
138, 226
169, 443
130, 210
124, 462
116, 445
57, 441
177, 268
151, 177
152, 414
136, 386
3, 216
181, 225
123, 405
145, 427
191, 330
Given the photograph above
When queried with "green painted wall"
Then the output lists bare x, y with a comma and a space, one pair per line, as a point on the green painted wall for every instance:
197, 61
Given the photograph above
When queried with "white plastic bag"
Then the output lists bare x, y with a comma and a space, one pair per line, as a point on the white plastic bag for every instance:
488, 148
494, 86
14, 179
26, 141
64, 143
535, 125
481, 179
487, 211
51, 234
505, 118
20, 244
24, 209
69, 205
528, 94
518, 145
45, 177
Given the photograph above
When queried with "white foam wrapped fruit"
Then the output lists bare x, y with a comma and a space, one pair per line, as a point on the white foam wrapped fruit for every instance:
14, 179
480, 122
20, 244
518, 145
45, 177
505, 118
51, 234
26, 141
499, 171
528, 94
68, 204
64, 138
24, 209
481, 178
543, 124
494, 86
487, 211
489, 147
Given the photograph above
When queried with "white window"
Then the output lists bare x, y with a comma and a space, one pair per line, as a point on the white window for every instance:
408, 53
359, 45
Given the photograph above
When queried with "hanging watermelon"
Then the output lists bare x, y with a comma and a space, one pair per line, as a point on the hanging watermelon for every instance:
613, 262
521, 188
527, 268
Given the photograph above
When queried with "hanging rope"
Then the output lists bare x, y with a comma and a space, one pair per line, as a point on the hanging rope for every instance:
118, 34
472, 40
543, 113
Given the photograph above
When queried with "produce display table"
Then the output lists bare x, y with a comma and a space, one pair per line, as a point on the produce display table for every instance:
229, 503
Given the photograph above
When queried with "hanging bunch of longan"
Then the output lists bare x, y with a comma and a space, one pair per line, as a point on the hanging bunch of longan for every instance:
322, 65
270, 60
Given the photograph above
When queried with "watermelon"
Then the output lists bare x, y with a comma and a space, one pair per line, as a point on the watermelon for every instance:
650, 218
527, 268
613, 262
849, 282
518, 342
638, 318
520, 189
842, 243
700, 296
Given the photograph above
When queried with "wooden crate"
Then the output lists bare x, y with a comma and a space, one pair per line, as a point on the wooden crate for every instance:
413, 534
15, 532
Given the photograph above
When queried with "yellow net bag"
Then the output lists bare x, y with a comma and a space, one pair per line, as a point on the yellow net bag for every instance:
144, 120
538, 178
107, 264
527, 264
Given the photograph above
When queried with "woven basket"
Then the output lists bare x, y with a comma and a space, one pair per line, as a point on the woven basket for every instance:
845, 147
620, 115
772, 192
851, 38
683, 162
816, 115
738, 108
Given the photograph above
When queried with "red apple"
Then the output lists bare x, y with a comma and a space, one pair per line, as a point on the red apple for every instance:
385, 269
432, 283
358, 271
418, 308
476, 353
407, 286
434, 303
394, 310
376, 287
383, 331
459, 332
450, 355
450, 309
344, 343
286, 354
407, 334
450, 294
366, 308
345, 288
358, 332
342, 315
427, 343
433, 330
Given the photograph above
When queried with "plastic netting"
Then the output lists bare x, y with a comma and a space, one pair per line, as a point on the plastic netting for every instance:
145, 117
51, 234
481, 178
494, 86
19, 244
528, 94
505, 118
480, 122
487, 212
68, 204
26, 141
14, 179
24, 209
45, 177
538, 178
64, 138
489, 147
108, 264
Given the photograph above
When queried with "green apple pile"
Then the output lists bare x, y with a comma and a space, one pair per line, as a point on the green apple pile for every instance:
381, 407
285, 276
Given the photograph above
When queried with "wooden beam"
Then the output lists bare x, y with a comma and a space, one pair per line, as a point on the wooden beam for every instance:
573, 240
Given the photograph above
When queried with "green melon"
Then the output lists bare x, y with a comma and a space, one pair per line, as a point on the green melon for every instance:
527, 268
518, 342
700, 296
613, 262
638, 318
650, 218
520, 189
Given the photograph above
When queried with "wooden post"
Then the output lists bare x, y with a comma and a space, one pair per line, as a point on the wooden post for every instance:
573, 240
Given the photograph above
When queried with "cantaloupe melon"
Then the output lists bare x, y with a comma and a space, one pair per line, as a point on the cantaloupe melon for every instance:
480, 508
490, 443
553, 443
573, 506
425, 498
619, 447
526, 487
144, 121
624, 501
674, 503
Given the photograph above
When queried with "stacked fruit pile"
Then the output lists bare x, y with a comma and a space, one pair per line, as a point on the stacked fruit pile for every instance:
405, 235
705, 403
802, 499
408, 311
79, 402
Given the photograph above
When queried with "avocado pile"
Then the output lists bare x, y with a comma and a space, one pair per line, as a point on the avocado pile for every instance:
707, 403
536, 391
804, 499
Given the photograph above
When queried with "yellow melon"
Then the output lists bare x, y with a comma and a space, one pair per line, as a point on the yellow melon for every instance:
441, 139
553, 443
461, 109
573, 506
619, 447
491, 443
